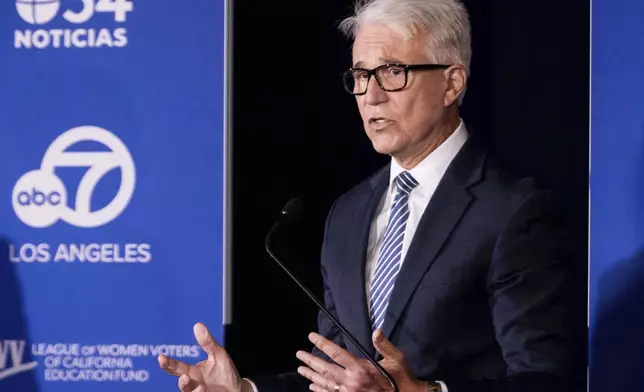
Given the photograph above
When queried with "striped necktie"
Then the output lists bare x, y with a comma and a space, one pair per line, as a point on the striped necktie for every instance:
389, 260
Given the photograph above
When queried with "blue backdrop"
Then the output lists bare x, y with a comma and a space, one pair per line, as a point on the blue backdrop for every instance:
111, 190
617, 187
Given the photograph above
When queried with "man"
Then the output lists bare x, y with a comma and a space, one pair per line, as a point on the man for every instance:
454, 273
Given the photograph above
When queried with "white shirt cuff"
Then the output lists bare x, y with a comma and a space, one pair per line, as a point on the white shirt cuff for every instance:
252, 384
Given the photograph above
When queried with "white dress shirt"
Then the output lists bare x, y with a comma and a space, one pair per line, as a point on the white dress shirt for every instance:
428, 173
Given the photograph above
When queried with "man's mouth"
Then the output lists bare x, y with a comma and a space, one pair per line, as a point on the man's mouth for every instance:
379, 120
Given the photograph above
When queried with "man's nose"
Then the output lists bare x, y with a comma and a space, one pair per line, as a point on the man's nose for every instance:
375, 94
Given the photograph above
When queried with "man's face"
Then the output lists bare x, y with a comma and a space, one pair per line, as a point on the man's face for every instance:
399, 123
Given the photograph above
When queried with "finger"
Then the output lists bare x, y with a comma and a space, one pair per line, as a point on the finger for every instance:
205, 340
317, 378
326, 369
317, 388
386, 348
335, 352
173, 366
186, 384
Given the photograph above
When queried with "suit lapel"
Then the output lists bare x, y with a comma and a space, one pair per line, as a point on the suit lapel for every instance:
440, 218
357, 242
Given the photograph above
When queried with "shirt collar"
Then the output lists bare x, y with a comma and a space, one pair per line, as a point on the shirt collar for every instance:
431, 169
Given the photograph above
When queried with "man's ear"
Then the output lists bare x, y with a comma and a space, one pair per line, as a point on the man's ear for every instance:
456, 83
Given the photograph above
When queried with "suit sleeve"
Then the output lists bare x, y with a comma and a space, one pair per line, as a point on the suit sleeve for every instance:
293, 381
535, 282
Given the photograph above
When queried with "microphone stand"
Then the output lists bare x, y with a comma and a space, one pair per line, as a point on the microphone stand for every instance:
347, 334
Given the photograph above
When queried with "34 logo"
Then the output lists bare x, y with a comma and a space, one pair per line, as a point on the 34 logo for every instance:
76, 12
39, 12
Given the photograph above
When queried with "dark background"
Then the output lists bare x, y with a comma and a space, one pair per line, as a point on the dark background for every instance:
296, 133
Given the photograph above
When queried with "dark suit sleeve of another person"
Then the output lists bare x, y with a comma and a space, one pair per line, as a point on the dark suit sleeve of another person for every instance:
533, 284
293, 381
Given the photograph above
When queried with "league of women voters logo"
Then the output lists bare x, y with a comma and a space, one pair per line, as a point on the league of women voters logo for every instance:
39, 197
12, 354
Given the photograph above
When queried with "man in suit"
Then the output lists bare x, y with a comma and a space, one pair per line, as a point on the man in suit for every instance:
454, 273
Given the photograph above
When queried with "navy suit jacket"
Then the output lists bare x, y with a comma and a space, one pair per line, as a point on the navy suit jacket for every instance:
485, 299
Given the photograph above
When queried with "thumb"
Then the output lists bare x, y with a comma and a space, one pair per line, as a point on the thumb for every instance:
205, 340
385, 347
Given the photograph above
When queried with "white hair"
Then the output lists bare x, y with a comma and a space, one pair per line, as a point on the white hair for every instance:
445, 21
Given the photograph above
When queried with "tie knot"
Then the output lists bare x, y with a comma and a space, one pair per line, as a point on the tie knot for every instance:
405, 182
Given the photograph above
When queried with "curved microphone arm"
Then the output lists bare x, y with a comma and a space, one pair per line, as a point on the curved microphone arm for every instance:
320, 306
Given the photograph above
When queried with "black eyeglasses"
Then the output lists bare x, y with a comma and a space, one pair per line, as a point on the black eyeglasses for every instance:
390, 77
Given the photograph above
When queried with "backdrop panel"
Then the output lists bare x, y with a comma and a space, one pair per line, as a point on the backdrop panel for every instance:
111, 190
617, 187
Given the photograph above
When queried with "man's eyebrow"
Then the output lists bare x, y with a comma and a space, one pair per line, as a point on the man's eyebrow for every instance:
386, 60
392, 60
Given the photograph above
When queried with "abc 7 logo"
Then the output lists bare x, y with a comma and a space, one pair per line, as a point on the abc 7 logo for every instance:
39, 197
39, 12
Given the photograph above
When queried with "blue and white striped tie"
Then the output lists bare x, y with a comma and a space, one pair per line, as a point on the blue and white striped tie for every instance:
389, 261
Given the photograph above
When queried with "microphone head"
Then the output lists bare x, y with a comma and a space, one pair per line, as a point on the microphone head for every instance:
291, 210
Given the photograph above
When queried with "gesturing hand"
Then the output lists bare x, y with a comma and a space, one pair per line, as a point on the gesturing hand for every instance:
217, 373
356, 374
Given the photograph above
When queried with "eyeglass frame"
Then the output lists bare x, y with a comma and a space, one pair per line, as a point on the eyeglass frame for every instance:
405, 67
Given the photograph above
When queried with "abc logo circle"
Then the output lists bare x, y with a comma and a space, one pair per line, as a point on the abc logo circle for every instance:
37, 198
37, 11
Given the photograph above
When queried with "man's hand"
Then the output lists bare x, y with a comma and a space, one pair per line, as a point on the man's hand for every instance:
217, 373
355, 374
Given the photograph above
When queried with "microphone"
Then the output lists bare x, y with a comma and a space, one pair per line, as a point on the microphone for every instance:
288, 214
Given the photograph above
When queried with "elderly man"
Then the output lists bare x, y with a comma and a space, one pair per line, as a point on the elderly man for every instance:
453, 272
